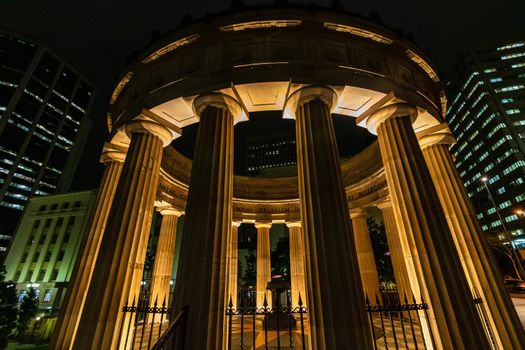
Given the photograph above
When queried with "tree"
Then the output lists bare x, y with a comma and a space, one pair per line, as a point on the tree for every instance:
381, 251
250, 274
8, 308
28, 310
281, 258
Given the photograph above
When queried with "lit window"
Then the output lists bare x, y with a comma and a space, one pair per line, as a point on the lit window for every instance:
505, 205
21, 295
514, 55
511, 46
48, 295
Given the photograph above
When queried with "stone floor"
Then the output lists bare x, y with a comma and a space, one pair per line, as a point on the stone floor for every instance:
519, 303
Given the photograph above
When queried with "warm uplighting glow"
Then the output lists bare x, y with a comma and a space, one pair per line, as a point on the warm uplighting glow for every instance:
260, 24
519, 212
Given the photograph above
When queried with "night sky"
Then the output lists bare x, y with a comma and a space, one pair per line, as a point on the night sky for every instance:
97, 37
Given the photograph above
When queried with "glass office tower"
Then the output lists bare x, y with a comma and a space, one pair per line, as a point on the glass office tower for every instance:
487, 117
44, 104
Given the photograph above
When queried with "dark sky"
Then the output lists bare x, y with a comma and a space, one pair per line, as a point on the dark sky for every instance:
97, 36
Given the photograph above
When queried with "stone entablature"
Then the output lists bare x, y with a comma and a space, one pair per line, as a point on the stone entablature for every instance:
276, 199
360, 60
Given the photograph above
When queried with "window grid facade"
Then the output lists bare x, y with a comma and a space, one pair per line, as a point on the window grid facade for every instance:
487, 117
43, 107
46, 244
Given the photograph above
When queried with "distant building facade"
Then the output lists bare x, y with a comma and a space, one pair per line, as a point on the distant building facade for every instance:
44, 249
271, 155
487, 117
44, 105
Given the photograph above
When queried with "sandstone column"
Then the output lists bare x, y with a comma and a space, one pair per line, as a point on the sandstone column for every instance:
264, 268
399, 260
365, 255
234, 261
202, 274
73, 305
476, 256
335, 294
420, 216
297, 263
163, 265
118, 269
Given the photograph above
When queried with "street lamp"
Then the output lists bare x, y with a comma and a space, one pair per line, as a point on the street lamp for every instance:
515, 254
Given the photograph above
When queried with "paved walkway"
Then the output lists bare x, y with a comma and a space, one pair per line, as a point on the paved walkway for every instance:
519, 303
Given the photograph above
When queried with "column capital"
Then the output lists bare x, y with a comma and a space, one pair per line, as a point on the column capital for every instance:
236, 223
293, 224
144, 124
393, 110
219, 100
436, 135
112, 153
358, 213
165, 208
170, 212
263, 225
385, 203
307, 94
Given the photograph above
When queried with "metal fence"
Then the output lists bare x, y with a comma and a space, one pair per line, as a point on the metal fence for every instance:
143, 323
268, 328
399, 325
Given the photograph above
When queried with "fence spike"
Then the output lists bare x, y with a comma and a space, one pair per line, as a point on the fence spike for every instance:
230, 304
406, 299
155, 303
300, 300
265, 303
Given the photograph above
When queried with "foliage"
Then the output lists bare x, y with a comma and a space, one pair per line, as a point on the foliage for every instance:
8, 308
381, 251
280, 258
149, 261
506, 259
28, 310
250, 274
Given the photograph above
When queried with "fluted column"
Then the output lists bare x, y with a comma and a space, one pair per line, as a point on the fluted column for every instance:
335, 296
399, 260
118, 269
478, 263
73, 305
163, 265
264, 268
202, 273
420, 216
365, 255
297, 263
234, 261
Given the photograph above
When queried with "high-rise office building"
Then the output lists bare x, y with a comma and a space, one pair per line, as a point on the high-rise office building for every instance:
44, 104
487, 117
273, 155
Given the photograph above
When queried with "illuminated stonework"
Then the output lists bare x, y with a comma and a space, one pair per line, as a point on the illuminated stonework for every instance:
308, 67
359, 32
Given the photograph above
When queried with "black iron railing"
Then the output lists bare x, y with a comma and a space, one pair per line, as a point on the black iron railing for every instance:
399, 325
143, 323
280, 327
169, 336
480, 307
